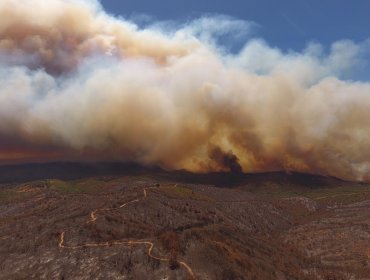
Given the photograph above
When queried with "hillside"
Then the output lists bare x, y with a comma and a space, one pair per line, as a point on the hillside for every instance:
136, 223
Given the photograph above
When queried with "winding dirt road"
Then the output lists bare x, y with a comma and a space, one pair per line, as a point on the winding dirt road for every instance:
338, 195
149, 244
93, 214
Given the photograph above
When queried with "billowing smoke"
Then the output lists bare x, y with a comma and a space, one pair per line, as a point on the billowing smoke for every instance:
225, 160
79, 84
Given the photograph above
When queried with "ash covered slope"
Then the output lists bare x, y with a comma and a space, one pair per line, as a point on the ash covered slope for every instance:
266, 226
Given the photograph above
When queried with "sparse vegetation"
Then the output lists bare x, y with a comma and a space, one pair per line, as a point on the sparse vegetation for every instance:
256, 230
180, 192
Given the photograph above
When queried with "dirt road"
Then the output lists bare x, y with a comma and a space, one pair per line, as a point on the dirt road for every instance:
149, 244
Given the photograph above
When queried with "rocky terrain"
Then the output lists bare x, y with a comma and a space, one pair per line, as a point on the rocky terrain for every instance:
160, 225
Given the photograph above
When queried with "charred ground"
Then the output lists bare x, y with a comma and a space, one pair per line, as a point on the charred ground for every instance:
222, 226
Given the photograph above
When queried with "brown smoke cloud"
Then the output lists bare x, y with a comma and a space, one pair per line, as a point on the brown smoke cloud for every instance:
78, 84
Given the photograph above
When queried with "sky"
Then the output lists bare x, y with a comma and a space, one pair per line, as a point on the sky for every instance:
205, 86
286, 24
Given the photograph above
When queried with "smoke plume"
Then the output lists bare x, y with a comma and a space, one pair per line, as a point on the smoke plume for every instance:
79, 84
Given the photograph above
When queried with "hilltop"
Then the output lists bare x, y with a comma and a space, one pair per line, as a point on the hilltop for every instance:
120, 221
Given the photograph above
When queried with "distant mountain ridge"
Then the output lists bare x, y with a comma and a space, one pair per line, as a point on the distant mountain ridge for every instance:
67, 170
78, 170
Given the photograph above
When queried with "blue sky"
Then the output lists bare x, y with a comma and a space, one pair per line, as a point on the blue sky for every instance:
286, 24
297, 99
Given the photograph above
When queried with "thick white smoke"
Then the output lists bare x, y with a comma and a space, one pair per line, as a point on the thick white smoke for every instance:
78, 84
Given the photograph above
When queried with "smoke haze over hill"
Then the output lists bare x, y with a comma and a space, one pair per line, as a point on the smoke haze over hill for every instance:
79, 84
